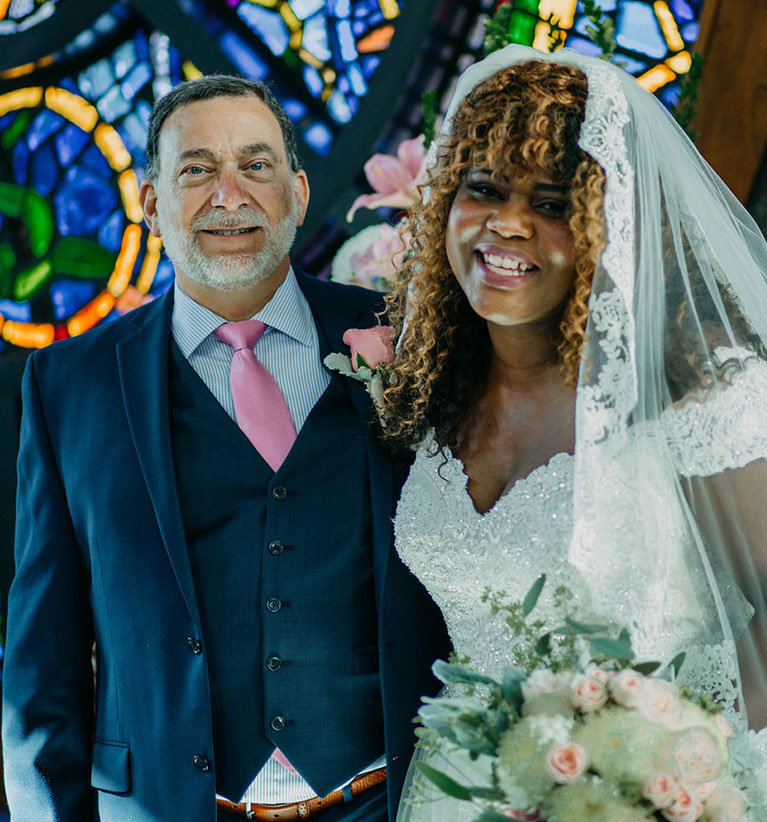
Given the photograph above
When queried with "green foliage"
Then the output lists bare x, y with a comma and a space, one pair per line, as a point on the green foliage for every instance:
532, 595
689, 96
429, 117
601, 30
444, 782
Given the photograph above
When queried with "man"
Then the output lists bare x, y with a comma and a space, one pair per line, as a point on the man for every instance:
218, 522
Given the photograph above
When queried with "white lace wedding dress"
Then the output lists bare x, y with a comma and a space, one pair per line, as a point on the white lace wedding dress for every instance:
458, 554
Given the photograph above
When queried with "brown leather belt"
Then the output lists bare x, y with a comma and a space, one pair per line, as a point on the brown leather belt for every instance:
306, 808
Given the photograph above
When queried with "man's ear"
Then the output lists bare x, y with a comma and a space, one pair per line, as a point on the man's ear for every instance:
301, 190
147, 197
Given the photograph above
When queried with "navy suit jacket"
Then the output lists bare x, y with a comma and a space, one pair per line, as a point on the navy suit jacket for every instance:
101, 555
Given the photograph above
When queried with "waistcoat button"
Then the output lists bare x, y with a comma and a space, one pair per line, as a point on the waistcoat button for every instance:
273, 605
273, 663
276, 547
202, 764
194, 644
278, 723
278, 492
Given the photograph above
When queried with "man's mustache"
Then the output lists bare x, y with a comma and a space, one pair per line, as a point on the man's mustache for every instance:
244, 218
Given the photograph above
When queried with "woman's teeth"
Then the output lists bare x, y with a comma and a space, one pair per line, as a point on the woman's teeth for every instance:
505, 265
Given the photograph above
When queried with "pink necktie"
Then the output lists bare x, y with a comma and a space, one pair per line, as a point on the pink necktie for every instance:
259, 406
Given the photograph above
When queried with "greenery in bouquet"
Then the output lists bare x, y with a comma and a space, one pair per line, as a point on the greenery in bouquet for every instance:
579, 731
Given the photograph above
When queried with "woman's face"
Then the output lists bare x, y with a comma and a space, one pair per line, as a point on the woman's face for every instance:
509, 244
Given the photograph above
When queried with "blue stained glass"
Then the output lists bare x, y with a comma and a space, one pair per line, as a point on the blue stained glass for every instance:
341, 8
111, 231
295, 109
375, 18
96, 80
46, 123
113, 105
306, 8
70, 141
583, 46
142, 46
7, 119
369, 63
669, 94
133, 132
689, 32
93, 159
69, 296
346, 41
637, 29
357, 80
605, 5
359, 27
164, 273
313, 81
19, 312
123, 58
82, 42
339, 107
20, 162
243, 56
69, 84
343, 84
140, 75
44, 171
682, 11
319, 138
632, 65
315, 38
83, 202
268, 25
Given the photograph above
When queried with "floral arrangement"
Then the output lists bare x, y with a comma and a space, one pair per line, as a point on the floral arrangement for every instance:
585, 733
370, 358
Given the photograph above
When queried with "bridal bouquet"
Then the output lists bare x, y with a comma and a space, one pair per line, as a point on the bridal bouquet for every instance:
587, 734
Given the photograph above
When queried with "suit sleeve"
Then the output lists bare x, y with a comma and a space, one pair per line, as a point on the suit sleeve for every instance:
48, 679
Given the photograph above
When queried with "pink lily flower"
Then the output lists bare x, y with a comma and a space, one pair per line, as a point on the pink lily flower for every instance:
395, 179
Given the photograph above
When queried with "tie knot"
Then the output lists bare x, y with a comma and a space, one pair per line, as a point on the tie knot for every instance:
243, 334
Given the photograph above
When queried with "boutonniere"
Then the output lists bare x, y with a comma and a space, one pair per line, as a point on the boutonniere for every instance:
372, 355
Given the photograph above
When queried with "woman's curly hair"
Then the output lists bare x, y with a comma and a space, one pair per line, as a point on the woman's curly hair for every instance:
527, 116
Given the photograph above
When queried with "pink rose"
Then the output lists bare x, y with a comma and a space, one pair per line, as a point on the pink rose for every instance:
381, 260
697, 756
725, 729
659, 702
523, 816
726, 804
567, 762
685, 807
661, 789
602, 675
373, 345
587, 693
626, 688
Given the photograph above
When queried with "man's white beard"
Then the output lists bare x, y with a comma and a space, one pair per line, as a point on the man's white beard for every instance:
227, 272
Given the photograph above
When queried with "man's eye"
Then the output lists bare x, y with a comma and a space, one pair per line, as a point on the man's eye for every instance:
257, 165
195, 171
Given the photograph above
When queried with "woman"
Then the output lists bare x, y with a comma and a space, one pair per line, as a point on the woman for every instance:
582, 367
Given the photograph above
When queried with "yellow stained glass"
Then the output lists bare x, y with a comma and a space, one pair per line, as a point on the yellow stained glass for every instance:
191, 72
562, 10
668, 25
310, 59
28, 335
126, 259
656, 77
128, 183
288, 15
112, 147
149, 265
680, 63
390, 8
21, 98
75, 108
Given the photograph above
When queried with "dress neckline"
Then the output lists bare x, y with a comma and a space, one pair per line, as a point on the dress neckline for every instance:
558, 460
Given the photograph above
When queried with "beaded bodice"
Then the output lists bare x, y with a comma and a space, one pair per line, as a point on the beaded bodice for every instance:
458, 553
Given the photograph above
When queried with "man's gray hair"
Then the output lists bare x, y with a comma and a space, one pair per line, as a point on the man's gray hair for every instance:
206, 88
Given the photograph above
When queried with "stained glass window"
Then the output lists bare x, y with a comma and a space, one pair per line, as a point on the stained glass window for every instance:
20, 15
654, 37
73, 251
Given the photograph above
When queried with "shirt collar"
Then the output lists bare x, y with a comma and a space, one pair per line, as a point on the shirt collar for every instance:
288, 311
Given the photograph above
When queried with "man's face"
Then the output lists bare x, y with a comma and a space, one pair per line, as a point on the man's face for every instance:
225, 201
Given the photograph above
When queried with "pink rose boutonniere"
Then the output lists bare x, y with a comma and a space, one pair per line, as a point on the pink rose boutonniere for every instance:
372, 354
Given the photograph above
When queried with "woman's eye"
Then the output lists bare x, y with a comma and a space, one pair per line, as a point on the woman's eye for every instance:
484, 189
556, 208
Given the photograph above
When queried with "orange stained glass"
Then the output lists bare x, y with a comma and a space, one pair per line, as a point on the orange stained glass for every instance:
28, 335
4, 8
377, 40
126, 259
128, 183
656, 77
149, 265
86, 318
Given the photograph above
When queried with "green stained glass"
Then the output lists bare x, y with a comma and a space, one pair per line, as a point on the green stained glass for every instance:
31, 280
522, 27
80, 257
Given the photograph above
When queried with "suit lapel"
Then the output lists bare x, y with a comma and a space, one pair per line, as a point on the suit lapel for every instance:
142, 360
333, 316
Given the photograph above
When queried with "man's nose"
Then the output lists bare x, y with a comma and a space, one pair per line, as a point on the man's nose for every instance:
228, 192
512, 218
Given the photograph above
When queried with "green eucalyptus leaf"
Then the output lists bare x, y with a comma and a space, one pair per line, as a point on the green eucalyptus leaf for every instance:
531, 598
449, 674
444, 782
612, 648
677, 662
646, 668
543, 646
584, 628
493, 794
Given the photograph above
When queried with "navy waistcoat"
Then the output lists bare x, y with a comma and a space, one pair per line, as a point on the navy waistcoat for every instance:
283, 573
